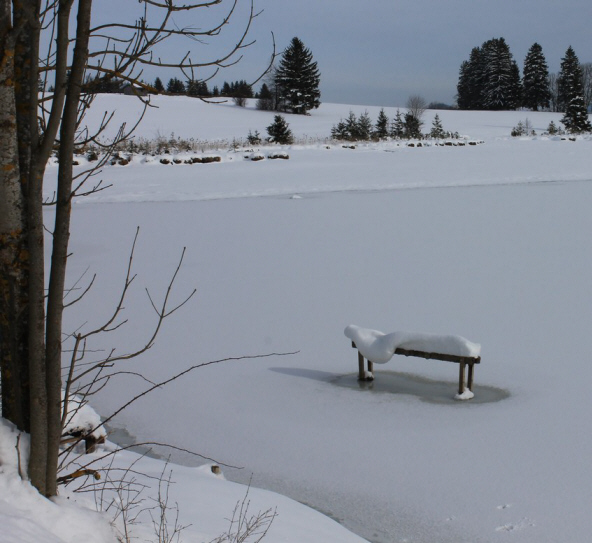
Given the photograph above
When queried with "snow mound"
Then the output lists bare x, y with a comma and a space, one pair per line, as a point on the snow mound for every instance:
379, 347
27, 517
83, 419
466, 395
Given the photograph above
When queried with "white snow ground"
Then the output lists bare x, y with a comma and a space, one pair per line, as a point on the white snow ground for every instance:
490, 242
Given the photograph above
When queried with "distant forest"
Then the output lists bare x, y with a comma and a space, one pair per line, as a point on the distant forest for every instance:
490, 80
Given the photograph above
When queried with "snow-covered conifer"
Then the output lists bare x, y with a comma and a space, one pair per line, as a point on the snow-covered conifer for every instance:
535, 81
381, 127
279, 131
265, 101
412, 126
298, 79
571, 94
158, 85
437, 131
501, 76
365, 128
470, 82
398, 126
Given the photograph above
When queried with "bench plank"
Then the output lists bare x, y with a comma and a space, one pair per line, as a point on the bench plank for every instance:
439, 356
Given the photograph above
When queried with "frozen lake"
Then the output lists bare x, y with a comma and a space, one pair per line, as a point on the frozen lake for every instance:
506, 266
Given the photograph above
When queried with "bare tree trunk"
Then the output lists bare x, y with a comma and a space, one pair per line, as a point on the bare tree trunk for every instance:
26, 16
13, 241
61, 237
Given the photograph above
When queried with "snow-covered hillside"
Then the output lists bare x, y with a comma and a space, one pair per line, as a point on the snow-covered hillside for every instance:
489, 242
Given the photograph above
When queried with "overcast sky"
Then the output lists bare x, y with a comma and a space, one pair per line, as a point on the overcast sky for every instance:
378, 52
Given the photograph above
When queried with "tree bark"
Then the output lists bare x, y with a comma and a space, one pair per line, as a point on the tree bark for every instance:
61, 237
13, 246
26, 16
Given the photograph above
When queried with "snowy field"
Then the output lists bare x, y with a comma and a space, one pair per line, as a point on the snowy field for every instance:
490, 242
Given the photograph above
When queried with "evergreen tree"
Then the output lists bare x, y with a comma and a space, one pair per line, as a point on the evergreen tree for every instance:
490, 79
501, 76
437, 131
158, 85
463, 87
192, 88
470, 82
398, 126
364, 127
516, 89
412, 126
254, 138
265, 101
381, 127
552, 129
346, 130
176, 86
535, 82
571, 94
298, 79
279, 131
353, 128
566, 78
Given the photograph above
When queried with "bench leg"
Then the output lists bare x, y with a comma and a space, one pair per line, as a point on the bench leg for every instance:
361, 376
461, 378
471, 369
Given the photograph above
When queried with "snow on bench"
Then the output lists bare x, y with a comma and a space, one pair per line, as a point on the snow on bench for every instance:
379, 348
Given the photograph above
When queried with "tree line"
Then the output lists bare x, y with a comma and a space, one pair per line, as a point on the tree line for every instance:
490, 80
406, 125
292, 85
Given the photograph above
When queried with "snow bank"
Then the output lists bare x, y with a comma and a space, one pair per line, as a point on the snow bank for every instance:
27, 517
379, 347
205, 501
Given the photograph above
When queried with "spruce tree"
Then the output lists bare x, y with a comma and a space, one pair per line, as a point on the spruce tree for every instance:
571, 94
463, 88
470, 82
298, 79
535, 82
437, 131
381, 127
364, 127
265, 100
412, 126
279, 131
345, 130
398, 126
501, 76
176, 86
193, 88
158, 85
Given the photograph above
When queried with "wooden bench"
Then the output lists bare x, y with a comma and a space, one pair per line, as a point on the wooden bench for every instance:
463, 362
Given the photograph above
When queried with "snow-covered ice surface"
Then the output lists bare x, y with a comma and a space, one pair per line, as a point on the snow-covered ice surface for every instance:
490, 241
